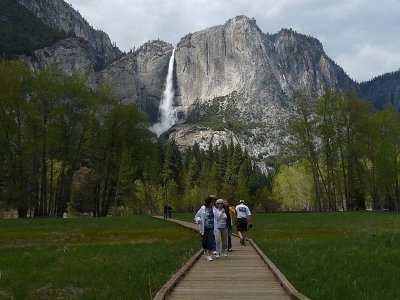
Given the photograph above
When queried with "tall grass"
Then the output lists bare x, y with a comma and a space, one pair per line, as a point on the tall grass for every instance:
352, 255
90, 258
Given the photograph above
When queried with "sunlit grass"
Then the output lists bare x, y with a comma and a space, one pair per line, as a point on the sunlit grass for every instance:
90, 258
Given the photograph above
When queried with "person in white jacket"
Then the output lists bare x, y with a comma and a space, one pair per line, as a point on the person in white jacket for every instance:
221, 232
243, 216
206, 218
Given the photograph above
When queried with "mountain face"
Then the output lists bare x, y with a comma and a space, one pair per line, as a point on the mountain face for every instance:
21, 31
71, 54
382, 89
237, 56
139, 77
59, 15
232, 81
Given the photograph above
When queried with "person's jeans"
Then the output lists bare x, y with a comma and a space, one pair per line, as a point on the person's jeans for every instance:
230, 238
207, 238
214, 245
221, 235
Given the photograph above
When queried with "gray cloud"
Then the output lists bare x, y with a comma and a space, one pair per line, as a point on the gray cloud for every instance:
360, 35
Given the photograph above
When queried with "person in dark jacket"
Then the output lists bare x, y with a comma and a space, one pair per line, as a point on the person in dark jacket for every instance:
165, 211
169, 210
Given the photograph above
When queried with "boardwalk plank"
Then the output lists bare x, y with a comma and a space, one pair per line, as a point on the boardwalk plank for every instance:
241, 275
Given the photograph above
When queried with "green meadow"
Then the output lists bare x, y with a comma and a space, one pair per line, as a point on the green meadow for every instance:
90, 258
338, 255
351, 255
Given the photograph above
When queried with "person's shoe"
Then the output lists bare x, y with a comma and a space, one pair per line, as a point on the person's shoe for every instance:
209, 258
230, 250
224, 255
215, 252
241, 241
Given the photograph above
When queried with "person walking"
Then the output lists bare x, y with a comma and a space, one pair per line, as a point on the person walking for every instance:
165, 211
230, 222
243, 215
206, 218
169, 211
221, 232
214, 245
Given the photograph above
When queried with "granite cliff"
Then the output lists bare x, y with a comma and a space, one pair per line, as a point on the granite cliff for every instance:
139, 76
232, 81
61, 16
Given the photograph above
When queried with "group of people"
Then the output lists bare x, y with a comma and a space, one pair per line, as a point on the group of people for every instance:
216, 220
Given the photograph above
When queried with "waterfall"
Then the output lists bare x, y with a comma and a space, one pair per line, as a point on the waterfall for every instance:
168, 116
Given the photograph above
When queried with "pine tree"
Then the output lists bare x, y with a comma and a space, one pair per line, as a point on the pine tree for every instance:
172, 164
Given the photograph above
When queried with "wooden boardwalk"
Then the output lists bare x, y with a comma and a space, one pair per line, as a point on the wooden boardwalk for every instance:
244, 274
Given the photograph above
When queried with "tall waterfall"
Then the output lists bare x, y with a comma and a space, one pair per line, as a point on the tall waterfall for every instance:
168, 115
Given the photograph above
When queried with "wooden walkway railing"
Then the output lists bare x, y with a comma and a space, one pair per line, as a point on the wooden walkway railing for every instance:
246, 273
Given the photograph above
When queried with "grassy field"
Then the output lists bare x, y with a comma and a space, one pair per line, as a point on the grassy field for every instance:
351, 255
90, 258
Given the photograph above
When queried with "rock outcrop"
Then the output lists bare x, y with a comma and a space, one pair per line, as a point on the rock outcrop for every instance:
60, 15
71, 55
139, 77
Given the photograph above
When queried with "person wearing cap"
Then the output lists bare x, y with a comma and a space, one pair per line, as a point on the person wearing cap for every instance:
206, 218
243, 218
221, 233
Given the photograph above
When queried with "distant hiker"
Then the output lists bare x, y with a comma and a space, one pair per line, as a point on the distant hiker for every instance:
206, 218
165, 211
169, 209
221, 233
243, 218
230, 222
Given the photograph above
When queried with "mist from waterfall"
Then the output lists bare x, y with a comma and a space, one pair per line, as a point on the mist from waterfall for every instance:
168, 115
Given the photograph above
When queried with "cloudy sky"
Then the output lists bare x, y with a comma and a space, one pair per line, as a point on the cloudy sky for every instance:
362, 36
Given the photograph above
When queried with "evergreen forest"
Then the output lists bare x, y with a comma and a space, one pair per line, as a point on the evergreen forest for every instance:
67, 147
21, 32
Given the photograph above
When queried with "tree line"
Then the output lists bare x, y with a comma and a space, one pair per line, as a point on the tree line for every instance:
66, 146
345, 155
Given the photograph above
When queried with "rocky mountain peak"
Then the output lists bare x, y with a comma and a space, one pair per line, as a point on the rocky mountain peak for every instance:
241, 22
61, 16
382, 90
154, 47
288, 38
233, 79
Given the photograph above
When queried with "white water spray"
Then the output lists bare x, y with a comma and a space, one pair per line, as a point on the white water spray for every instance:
168, 115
